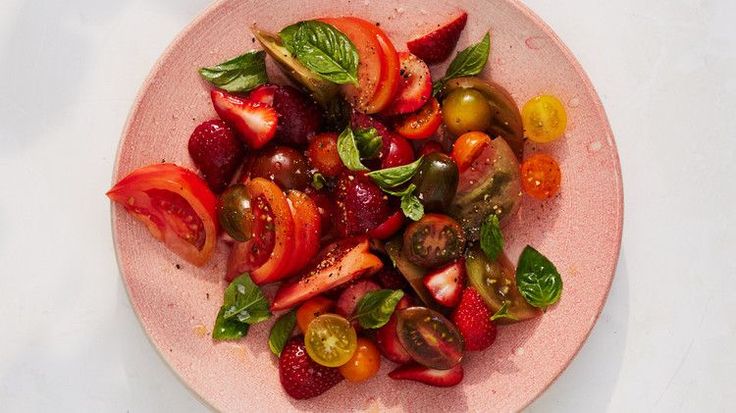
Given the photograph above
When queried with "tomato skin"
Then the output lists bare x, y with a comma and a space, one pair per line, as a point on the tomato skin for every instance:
430, 147
389, 227
282, 164
307, 230
323, 156
541, 176
467, 147
422, 124
311, 309
134, 193
364, 364
398, 152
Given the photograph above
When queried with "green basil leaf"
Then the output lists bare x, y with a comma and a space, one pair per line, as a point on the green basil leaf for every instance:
408, 191
438, 86
318, 181
240, 74
245, 302
470, 61
491, 238
324, 50
503, 312
281, 332
376, 307
228, 329
348, 151
393, 177
538, 280
412, 207
369, 143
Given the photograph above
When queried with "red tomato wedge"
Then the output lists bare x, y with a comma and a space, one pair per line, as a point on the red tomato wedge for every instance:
278, 219
175, 204
378, 71
422, 124
307, 230
337, 264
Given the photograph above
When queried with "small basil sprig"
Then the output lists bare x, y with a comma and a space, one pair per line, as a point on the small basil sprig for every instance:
468, 62
538, 280
347, 148
318, 181
411, 206
376, 307
503, 312
240, 74
491, 238
398, 175
281, 331
323, 49
243, 305
369, 143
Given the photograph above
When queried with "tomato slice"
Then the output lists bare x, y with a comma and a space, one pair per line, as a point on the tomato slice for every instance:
389, 227
467, 148
175, 204
422, 124
307, 230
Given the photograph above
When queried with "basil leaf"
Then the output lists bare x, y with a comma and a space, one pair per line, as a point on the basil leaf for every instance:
369, 143
376, 307
324, 50
348, 151
281, 331
228, 329
393, 177
412, 207
491, 238
538, 280
318, 181
468, 62
240, 74
503, 312
408, 191
245, 302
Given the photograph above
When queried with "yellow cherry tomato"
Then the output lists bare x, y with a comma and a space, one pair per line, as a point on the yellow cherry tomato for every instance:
544, 119
330, 340
364, 364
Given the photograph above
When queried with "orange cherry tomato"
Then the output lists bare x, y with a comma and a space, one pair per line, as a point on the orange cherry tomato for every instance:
323, 156
364, 364
312, 309
421, 124
541, 176
467, 147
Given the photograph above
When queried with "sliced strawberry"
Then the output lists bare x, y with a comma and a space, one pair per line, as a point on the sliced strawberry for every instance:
216, 152
388, 340
436, 46
264, 94
415, 86
255, 122
337, 264
300, 376
361, 205
432, 377
299, 117
473, 318
352, 295
446, 283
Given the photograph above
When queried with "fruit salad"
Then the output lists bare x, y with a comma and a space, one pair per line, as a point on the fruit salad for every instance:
372, 189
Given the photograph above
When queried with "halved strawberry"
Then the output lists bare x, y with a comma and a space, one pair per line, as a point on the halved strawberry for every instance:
300, 376
299, 116
473, 318
415, 86
432, 377
337, 264
446, 283
255, 122
352, 295
436, 46
388, 340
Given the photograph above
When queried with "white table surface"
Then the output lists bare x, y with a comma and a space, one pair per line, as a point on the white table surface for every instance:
665, 70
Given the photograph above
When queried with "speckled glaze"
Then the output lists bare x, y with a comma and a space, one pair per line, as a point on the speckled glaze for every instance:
580, 230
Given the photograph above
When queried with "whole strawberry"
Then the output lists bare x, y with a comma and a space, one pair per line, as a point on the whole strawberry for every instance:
300, 376
473, 318
361, 205
216, 152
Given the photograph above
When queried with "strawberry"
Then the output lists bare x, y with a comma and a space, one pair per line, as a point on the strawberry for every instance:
255, 122
391, 279
216, 152
446, 284
432, 377
473, 318
299, 116
415, 86
436, 46
387, 339
300, 376
361, 205
352, 295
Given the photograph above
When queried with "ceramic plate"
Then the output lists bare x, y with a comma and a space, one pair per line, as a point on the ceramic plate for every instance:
580, 230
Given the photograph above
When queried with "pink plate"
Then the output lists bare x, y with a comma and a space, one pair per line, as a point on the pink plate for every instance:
580, 230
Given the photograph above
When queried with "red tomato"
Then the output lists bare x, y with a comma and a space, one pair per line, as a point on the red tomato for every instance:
398, 152
326, 208
430, 147
322, 154
176, 205
422, 124
390, 227
307, 230
467, 147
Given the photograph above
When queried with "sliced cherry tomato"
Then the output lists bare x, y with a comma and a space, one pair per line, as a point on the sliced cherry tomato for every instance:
307, 230
544, 119
322, 154
249, 255
429, 338
430, 147
434, 240
398, 152
311, 309
175, 204
422, 124
389, 227
467, 148
330, 340
541, 176
364, 364
326, 208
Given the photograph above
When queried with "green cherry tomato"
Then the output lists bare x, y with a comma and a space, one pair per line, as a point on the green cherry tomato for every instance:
436, 182
235, 213
466, 110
